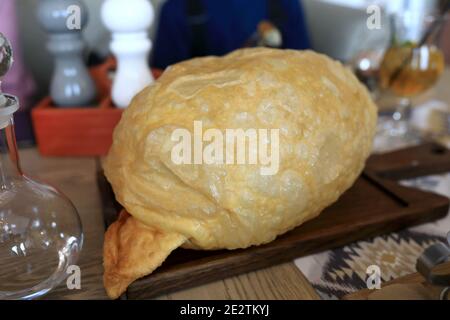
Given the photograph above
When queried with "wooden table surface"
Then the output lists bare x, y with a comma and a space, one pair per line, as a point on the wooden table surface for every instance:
76, 177
409, 281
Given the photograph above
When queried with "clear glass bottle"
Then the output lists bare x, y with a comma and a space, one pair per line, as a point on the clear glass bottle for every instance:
40, 230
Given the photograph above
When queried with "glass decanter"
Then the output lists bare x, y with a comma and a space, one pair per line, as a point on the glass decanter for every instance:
40, 230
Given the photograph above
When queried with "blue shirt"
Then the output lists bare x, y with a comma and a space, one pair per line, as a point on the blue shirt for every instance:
229, 24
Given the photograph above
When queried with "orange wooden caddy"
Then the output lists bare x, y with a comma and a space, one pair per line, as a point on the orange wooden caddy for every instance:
79, 131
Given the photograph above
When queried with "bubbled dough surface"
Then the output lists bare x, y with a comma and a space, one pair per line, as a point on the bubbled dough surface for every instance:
326, 120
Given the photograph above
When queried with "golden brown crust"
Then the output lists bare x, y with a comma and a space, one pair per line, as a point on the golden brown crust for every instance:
326, 121
133, 250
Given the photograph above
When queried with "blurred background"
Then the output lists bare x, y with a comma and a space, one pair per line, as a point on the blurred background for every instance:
336, 27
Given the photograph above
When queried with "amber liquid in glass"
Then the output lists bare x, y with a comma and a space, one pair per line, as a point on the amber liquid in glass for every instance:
409, 70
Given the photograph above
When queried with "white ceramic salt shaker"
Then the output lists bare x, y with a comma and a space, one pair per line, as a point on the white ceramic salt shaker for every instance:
128, 22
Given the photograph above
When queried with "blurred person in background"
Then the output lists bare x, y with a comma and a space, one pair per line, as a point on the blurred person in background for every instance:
193, 28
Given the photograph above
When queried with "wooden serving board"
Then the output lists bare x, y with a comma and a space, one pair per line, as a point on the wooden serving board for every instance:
374, 205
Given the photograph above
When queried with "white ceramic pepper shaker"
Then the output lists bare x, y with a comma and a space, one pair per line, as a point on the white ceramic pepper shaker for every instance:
128, 22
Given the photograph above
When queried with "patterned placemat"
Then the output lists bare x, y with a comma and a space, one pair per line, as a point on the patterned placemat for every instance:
335, 273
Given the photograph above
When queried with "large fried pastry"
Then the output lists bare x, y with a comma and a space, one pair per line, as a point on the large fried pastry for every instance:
326, 123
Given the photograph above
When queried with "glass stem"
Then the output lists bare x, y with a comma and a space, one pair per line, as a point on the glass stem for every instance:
401, 117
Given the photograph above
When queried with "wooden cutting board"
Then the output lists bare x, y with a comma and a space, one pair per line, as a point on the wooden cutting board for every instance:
374, 205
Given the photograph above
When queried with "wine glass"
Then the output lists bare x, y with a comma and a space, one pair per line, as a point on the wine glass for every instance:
411, 65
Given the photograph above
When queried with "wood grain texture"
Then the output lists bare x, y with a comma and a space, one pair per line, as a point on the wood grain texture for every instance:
421, 160
282, 282
75, 131
411, 279
75, 177
373, 206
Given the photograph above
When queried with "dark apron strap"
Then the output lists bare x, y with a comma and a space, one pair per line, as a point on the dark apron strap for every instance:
276, 13
197, 19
